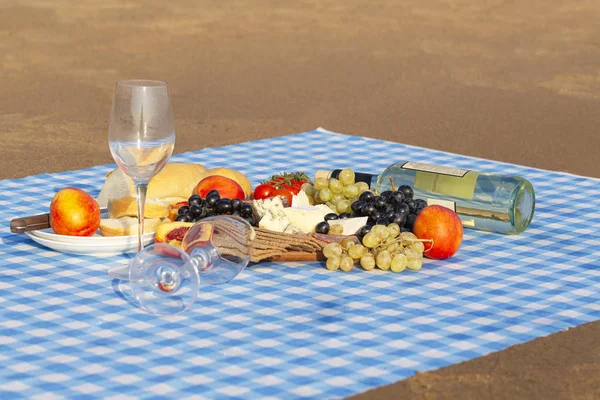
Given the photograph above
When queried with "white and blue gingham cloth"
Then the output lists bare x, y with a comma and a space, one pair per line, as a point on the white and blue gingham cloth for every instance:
292, 330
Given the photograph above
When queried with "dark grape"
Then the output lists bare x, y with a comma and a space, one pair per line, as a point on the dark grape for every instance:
386, 194
418, 210
364, 230
367, 196
195, 200
322, 227
236, 204
195, 211
390, 207
407, 191
246, 210
183, 218
382, 221
389, 214
399, 219
251, 220
331, 216
397, 197
183, 210
377, 214
380, 202
402, 208
411, 205
345, 215
223, 206
357, 206
367, 209
212, 198
403, 229
211, 213
421, 203
214, 191
410, 220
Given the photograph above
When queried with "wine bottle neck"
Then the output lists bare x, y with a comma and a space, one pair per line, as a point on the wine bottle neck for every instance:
369, 179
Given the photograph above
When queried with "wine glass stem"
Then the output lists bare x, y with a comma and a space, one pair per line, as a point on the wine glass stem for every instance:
141, 189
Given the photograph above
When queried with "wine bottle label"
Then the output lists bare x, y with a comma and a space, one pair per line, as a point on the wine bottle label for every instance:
435, 169
447, 181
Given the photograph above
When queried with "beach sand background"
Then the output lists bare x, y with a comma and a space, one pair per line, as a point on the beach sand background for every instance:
503, 80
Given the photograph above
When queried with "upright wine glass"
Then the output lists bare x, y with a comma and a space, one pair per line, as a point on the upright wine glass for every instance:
141, 134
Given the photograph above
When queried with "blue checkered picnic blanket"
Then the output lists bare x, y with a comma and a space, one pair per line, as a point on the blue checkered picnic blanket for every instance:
292, 330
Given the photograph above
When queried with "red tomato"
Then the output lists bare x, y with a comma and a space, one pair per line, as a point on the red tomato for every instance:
283, 193
292, 188
263, 191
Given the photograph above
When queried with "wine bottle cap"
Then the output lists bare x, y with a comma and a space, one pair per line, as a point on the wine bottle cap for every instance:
322, 173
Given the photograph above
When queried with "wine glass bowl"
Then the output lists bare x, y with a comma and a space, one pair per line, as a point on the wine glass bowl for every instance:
219, 247
165, 279
141, 134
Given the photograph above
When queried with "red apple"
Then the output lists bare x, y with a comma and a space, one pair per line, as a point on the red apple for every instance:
73, 212
227, 187
443, 226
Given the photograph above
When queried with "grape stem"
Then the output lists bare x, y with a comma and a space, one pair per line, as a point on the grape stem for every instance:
407, 240
392, 182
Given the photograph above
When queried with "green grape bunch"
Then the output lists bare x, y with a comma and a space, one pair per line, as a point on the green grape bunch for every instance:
388, 248
384, 247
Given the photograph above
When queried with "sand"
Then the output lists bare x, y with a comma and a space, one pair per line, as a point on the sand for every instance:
511, 81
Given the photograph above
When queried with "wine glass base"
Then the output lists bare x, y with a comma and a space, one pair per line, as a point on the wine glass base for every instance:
163, 280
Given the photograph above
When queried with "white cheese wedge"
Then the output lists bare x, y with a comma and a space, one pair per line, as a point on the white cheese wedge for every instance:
350, 225
300, 200
324, 209
305, 218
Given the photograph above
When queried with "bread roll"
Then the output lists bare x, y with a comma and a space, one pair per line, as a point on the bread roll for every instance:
127, 226
174, 180
153, 208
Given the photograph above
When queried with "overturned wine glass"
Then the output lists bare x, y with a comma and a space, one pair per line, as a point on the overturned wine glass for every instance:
165, 279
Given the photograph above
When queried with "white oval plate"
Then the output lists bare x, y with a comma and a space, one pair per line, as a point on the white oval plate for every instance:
94, 245
97, 238
91, 245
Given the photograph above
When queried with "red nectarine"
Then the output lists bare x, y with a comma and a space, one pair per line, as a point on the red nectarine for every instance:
227, 187
443, 226
73, 212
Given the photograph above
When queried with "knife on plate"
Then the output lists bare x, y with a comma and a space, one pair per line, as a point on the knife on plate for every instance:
33, 222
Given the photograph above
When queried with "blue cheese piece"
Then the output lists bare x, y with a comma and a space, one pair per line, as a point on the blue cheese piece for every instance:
275, 220
263, 206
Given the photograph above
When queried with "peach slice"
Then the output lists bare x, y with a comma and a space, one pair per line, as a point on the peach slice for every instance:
172, 232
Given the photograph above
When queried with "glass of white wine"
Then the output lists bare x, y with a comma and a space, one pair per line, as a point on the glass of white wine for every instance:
141, 134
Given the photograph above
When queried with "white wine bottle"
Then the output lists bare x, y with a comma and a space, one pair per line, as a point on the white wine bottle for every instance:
488, 202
